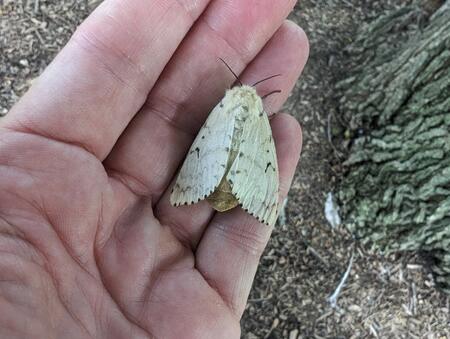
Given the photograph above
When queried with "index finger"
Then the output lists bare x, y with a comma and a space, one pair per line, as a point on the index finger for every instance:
98, 82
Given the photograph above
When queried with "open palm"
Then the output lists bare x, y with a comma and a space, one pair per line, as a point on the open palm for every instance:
89, 244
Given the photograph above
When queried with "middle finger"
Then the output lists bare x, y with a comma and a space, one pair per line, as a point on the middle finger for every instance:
149, 152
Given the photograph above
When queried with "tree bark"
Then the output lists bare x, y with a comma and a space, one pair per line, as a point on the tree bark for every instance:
395, 194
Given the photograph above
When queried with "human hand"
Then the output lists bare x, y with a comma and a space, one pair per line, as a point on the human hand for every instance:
89, 244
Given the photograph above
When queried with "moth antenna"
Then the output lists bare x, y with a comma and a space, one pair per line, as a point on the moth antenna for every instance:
237, 78
265, 79
268, 94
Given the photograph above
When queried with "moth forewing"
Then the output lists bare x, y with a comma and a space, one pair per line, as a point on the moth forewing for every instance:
254, 174
233, 159
206, 160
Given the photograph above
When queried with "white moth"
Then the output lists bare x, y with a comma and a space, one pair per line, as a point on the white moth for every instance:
233, 159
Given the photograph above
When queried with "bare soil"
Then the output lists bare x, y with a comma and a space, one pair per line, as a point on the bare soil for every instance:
306, 259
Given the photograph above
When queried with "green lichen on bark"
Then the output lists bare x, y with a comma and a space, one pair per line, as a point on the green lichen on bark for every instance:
396, 191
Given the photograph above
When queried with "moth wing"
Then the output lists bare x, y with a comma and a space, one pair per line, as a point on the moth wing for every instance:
206, 161
253, 175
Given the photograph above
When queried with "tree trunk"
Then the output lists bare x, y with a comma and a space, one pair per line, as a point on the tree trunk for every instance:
395, 194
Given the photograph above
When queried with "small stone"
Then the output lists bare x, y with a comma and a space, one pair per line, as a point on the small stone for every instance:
24, 63
14, 70
293, 334
354, 308
275, 323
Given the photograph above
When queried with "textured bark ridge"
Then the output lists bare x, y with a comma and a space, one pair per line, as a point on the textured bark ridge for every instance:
396, 191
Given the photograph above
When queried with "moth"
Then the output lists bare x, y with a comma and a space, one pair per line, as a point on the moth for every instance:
233, 160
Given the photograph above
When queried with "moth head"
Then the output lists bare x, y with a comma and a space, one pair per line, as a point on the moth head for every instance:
247, 94
244, 97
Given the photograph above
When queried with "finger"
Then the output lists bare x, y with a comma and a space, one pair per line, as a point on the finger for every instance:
151, 277
150, 151
285, 53
229, 251
93, 88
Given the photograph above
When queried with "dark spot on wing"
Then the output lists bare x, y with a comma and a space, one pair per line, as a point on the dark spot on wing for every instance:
198, 152
267, 167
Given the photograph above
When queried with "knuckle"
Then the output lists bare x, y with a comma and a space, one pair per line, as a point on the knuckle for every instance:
249, 236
